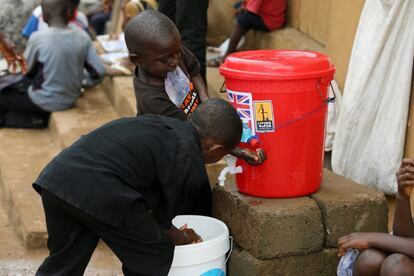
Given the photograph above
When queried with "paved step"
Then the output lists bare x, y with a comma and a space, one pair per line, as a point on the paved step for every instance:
286, 38
120, 91
22, 156
91, 111
25, 152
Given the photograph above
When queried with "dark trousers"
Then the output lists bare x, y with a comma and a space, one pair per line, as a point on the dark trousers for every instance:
190, 16
98, 22
18, 111
144, 248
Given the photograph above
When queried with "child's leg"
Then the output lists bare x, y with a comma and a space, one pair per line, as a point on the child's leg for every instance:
139, 242
143, 248
397, 264
243, 22
235, 36
369, 262
70, 243
17, 110
98, 22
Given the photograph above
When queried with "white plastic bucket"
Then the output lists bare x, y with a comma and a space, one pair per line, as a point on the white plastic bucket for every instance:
207, 258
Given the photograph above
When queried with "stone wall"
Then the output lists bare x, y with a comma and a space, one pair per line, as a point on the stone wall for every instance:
327, 26
296, 236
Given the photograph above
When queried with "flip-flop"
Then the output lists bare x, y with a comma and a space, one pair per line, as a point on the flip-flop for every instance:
215, 62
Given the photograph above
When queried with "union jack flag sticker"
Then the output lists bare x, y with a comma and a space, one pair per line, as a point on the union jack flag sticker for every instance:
242, 102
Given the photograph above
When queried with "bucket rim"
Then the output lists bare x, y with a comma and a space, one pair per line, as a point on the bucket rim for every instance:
281, 64
217, 239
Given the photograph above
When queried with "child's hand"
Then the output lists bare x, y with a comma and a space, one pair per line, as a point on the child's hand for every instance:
254, 157
183, 236
405, 178
12, 57
192, 235
356, 241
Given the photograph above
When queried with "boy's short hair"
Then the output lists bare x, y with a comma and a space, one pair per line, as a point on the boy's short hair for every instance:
56, 8
218, 120
148, 26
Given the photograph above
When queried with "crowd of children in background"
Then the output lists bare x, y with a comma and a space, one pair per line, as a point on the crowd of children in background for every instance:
60, 60
56, 57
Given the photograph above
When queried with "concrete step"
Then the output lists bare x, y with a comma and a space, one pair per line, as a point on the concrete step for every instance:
23, 155
285, 38
16, 259
120, 91
25, 152
282, 236
91, 111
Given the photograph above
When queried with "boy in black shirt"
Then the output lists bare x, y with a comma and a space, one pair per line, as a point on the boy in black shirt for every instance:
125, 181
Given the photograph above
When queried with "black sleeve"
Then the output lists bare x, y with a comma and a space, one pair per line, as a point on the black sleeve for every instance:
185, 188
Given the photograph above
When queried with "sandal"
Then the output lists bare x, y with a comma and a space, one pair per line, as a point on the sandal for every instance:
215, 62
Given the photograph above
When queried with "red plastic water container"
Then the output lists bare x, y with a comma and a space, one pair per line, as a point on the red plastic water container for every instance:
282, 95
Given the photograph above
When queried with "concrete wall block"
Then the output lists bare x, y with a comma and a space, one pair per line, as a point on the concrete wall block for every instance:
220, 20
214, 83
314, 18
213, 172
293, 11
349, 207
269, 228
343, 23
322, 263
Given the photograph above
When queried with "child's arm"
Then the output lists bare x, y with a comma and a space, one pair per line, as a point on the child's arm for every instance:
193, 69
200, 87
31, 25
13, 58
382, 241
252, 157
403, 223
94, 66
31, 52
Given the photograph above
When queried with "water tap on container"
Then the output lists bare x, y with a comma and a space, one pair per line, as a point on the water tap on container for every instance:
231, 168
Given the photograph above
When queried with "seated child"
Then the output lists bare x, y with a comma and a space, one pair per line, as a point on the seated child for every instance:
262, 15
56, 58
37, 23
131, 8
381, 253
167, 79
